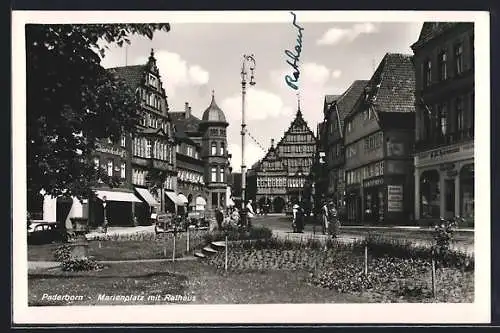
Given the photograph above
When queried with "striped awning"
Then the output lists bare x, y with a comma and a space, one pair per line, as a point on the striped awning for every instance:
182, 198
147, 196
200, 201
117, 196
175, 199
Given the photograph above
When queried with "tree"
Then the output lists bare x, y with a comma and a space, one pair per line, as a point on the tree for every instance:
73, 103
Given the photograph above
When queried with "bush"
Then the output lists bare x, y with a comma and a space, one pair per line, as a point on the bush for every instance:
62, 253
236, 234
78, 265
347, 274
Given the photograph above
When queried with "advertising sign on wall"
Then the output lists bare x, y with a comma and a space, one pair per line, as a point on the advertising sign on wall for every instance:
395, 198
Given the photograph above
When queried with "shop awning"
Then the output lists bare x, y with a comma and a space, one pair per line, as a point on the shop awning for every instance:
117, 196
200, 201
172, 196
147, 196
182, 198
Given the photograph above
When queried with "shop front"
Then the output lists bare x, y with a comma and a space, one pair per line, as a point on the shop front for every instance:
117, 206
444, 183
374, 202
354, 204
148, 210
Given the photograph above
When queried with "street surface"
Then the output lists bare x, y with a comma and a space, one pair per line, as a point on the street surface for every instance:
281, 226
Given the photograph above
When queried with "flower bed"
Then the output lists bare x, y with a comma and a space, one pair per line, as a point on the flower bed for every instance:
397, 272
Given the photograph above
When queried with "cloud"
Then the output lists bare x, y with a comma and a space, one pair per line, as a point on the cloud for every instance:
337, 35
313, 73
252, 154
176, 72
336, 73
260, 105
314, 84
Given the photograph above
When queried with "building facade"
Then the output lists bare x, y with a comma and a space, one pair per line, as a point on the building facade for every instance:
444, 147
190, 170
143, 162
335, 110
147, 157
279, 178
209, 135
378, 138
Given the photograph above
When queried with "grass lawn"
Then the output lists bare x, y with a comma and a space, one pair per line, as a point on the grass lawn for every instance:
202, 283
116, 250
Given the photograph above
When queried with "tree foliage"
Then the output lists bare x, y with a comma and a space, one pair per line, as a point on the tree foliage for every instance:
73, 103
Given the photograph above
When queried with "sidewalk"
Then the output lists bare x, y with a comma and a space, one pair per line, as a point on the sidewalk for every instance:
400, 228
32, 265
122, 231
350, 238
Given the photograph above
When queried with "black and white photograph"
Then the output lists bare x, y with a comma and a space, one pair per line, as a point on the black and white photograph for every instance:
251, 167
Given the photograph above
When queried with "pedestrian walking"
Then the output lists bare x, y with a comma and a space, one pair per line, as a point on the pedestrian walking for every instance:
219, 217
250, 213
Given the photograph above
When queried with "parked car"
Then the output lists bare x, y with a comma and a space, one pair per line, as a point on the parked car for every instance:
44, 233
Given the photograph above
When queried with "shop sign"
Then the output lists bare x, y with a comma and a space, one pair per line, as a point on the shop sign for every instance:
446, 154
373, 182
112, 150
447, 166
395, 198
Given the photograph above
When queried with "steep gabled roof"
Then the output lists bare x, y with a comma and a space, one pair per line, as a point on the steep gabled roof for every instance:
392, 86
331, 98
132, 75
431, 30
189, 125
347, 101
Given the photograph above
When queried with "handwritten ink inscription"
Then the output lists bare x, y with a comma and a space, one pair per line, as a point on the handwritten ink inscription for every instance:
291, 81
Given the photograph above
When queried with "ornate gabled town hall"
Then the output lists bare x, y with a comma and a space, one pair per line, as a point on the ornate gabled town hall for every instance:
279, 178
175, 162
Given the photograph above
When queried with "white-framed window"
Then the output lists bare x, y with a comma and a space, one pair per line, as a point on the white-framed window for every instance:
213, 174
221, 171
427, 69
122, 140
110, 168
214, 149
459, 104
123, 169
443, 65
152, 80
459, 58
96, 163
148, 148
222, 148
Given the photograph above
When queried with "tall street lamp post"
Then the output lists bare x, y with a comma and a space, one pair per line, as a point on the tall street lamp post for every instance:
248, 60
104, 203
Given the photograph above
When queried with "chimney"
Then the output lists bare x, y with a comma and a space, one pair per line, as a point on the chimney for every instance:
272, 143
187, 110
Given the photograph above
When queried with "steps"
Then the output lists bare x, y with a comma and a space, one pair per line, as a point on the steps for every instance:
211, 249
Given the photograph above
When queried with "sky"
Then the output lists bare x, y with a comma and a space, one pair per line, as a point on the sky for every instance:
196, 58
